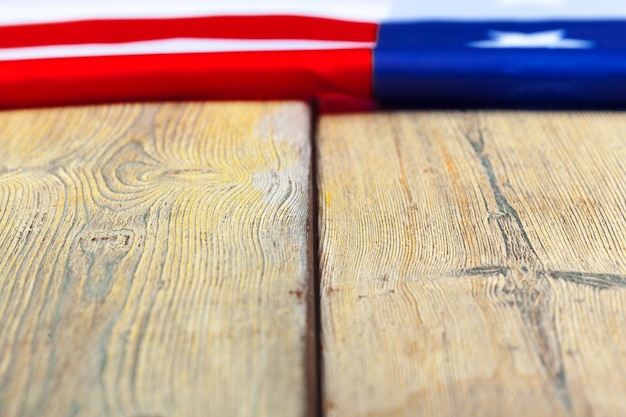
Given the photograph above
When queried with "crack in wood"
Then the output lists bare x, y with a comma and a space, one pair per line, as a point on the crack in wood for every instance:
517, 244
594, 280
597, 281
532, 294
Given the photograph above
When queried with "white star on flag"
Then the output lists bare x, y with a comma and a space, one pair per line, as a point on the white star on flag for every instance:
546, 39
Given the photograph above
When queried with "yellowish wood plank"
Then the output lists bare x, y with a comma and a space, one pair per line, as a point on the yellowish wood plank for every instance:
473, 264
154, 261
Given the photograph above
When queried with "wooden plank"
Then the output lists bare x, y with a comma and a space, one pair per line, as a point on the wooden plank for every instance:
473, 263
155, 261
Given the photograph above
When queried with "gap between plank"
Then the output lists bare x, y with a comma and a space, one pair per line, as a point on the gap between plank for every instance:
316, 396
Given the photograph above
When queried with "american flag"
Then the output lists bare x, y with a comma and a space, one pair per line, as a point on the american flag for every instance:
483, 52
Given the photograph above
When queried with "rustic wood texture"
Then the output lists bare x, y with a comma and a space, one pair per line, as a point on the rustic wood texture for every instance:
473, 263
155, 261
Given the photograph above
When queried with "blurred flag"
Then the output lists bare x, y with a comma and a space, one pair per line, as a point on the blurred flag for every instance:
484, 52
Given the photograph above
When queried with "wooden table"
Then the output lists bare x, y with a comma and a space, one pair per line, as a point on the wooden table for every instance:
231, 259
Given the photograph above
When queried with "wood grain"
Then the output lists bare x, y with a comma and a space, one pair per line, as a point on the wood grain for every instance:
155, 261
473, 263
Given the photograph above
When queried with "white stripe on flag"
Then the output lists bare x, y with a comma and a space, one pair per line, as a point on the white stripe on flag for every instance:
14, 12
172, 46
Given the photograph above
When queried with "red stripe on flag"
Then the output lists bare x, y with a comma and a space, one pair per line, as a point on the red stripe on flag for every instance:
233, 75
217, 27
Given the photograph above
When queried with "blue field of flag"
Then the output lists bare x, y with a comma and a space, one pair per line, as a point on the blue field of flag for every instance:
558, 62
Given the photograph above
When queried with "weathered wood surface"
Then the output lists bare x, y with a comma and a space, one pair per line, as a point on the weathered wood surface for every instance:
154, 261
473, 264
